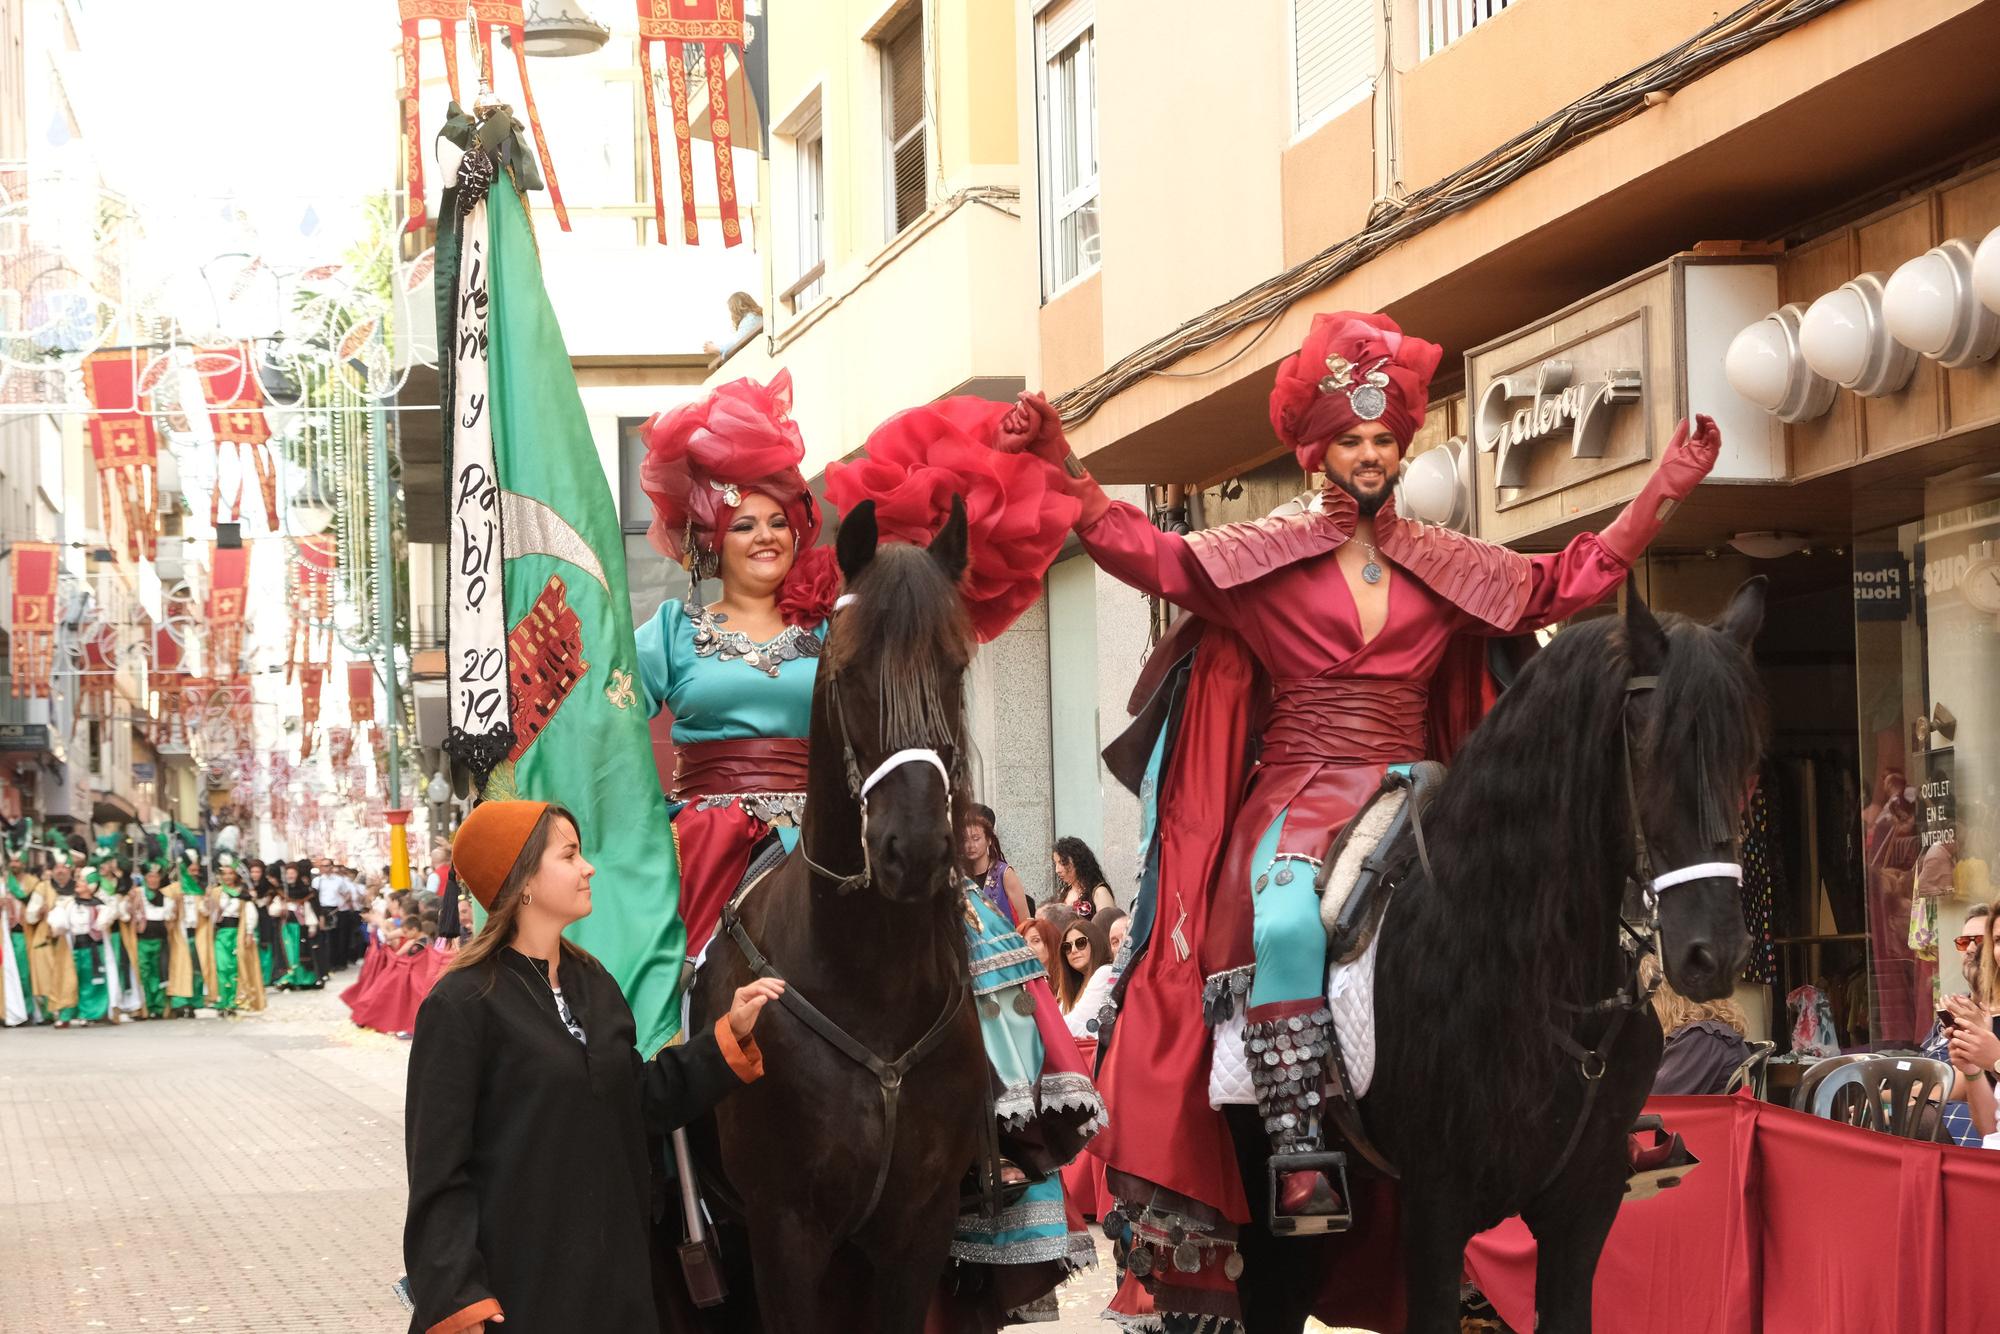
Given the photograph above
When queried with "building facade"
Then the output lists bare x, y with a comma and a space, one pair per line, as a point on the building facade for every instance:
1608, 225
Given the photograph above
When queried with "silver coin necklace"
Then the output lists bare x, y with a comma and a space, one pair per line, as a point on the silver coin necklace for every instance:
1371, 573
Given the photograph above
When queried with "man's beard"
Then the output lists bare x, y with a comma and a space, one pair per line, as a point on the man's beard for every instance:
1369, 505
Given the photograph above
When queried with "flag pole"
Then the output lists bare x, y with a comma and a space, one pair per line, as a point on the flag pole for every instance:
385, 640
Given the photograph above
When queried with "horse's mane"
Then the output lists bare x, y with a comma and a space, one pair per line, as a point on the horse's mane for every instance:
908, 625
1532, 838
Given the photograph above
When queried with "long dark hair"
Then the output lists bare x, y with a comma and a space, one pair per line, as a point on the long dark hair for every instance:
1069, 981
1532, 826
1089, 875
502, 918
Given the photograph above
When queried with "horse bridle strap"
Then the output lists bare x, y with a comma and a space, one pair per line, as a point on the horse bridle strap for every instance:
889, 1074
914, 755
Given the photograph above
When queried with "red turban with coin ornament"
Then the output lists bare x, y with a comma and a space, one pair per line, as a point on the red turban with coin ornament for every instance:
1353, 368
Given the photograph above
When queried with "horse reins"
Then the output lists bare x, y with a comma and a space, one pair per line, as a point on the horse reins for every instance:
1637, 942
888, 1074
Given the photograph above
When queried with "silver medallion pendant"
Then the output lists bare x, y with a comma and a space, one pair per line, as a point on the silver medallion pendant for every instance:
1369, 402
1371, 573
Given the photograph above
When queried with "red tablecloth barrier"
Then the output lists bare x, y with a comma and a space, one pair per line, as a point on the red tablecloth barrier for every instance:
1791, 1225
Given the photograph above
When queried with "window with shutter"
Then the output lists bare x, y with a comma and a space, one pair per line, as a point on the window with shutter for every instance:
907, 153
1067, 78
1334, 60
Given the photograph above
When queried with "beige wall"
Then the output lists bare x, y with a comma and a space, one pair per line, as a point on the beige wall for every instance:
1190, 126
1531, 60
907, 318
909, 329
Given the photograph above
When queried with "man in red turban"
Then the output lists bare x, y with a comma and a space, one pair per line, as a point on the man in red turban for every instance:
1326, 623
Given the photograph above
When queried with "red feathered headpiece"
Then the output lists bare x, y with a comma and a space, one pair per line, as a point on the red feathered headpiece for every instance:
701, 458
1353, 368
1016, 516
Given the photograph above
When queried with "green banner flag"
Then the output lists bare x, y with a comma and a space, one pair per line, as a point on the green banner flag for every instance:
568, 711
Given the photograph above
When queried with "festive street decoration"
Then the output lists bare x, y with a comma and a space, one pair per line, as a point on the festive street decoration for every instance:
228, 587
235, 399
360, 692
125, 446
169, 679
546, 560
309, 594
716, 25
489, 16
31, 626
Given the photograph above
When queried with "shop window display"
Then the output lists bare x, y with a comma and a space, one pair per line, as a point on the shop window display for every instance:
1927, 635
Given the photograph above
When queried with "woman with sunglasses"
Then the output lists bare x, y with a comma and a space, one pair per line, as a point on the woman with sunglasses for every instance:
1083, 975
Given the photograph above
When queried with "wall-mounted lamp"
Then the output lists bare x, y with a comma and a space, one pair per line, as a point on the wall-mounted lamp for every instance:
1986, 271
1765, 545
1928, 305
1766, 365
1845, 338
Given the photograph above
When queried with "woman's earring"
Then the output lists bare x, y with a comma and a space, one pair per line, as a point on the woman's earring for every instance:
526, 899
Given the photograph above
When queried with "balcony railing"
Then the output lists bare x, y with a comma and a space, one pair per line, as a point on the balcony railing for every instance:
1442, 22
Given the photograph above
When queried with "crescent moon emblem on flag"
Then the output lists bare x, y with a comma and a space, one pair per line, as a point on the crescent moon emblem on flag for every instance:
533, 529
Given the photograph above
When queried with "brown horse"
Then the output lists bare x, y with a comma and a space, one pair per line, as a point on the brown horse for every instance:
847, 1157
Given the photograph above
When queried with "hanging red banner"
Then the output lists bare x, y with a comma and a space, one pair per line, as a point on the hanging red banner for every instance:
229, 383
314, 561
489, 16
32, 625
312, 676
125, 446
716, 25
228, 590
97, 682
360, 692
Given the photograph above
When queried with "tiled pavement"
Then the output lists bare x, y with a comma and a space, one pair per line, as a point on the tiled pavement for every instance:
223, 1177
209, 1175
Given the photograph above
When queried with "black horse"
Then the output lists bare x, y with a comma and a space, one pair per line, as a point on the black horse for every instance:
1476, 1099
849, 1175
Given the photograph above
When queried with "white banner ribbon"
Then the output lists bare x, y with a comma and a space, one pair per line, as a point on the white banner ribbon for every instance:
476, 641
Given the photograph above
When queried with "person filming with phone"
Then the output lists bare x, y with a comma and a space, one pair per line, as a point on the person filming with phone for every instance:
1963, 1033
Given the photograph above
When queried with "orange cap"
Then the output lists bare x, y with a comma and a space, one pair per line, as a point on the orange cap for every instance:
489, 843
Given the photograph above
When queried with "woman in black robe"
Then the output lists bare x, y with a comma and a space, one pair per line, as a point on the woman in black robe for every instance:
529, 1107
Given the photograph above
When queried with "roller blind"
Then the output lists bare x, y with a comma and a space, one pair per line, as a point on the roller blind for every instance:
1333, 55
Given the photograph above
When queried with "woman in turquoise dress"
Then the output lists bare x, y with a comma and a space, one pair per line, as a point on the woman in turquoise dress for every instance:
736, 674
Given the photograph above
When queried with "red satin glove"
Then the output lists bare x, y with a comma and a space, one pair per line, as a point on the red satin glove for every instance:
1033, 426
1689, 457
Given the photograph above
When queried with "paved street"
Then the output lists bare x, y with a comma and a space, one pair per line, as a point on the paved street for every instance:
222, 1177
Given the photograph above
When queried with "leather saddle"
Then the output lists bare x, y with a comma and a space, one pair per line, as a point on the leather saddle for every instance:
1351, 881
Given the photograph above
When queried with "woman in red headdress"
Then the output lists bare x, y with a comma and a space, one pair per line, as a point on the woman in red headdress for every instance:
1332, 621
736, 673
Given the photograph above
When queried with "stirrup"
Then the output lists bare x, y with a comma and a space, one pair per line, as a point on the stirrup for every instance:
1332, 1166
1659, 1160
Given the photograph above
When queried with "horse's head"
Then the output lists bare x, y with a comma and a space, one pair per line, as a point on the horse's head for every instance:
891, 688
1694, 740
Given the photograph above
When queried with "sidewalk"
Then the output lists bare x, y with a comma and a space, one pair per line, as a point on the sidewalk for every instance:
203, 1174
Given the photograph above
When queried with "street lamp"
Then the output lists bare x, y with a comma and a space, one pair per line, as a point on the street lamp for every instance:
561, 28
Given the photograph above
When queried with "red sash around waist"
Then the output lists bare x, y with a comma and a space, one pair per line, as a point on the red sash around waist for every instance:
1345, 720
732, 768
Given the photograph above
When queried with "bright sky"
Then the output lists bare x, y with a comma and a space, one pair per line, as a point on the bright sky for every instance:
276, 106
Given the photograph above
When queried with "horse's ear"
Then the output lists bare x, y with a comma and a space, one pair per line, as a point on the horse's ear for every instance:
856, 544
1744, 616
948, 547
1645, 640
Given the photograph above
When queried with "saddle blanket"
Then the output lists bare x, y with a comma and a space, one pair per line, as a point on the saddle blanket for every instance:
1350, 994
